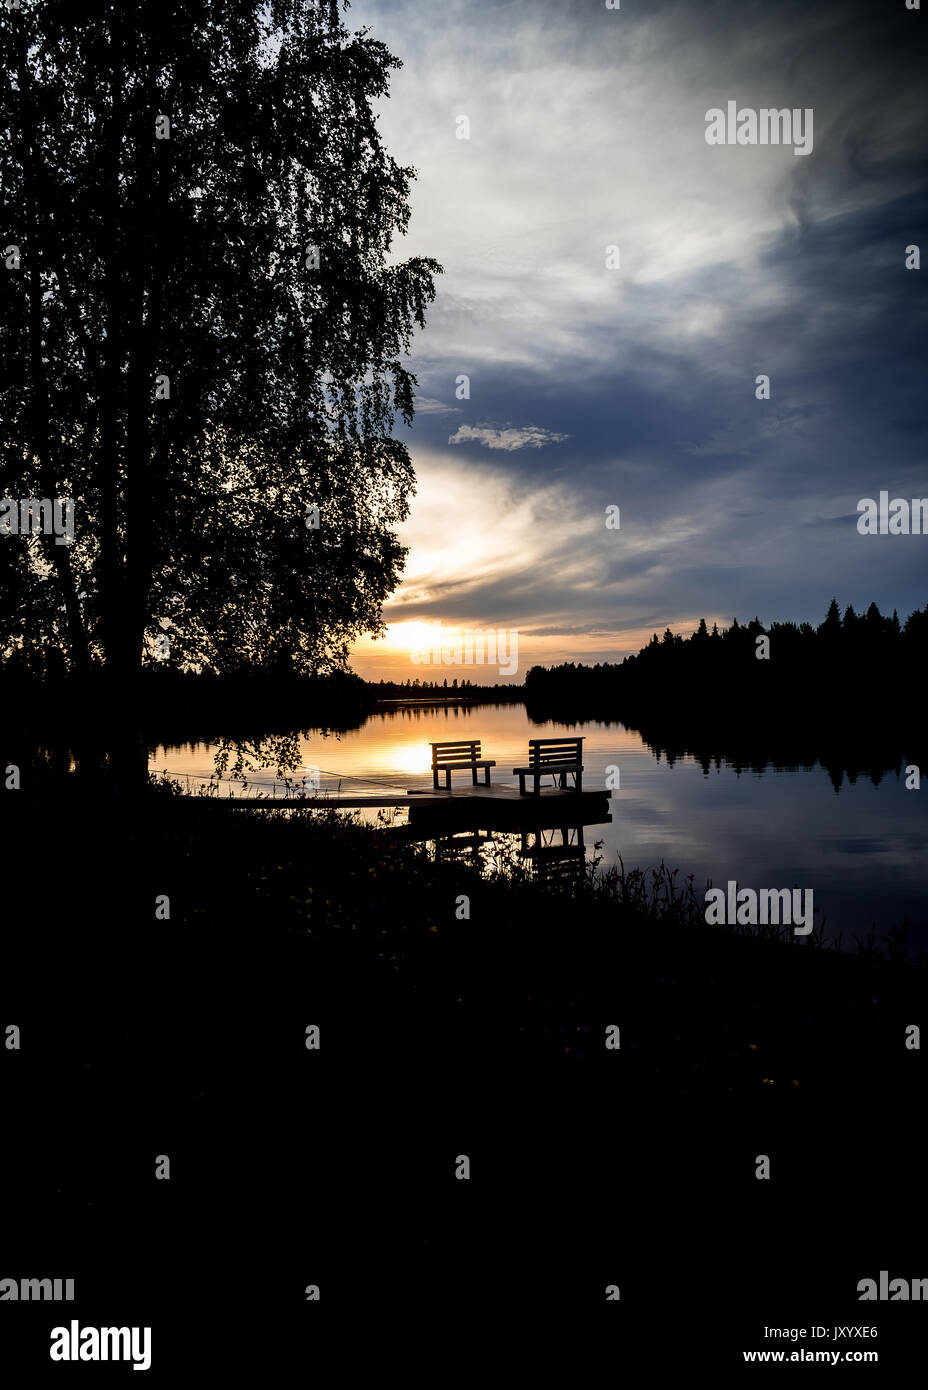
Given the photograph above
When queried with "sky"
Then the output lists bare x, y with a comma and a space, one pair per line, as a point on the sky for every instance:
634, 386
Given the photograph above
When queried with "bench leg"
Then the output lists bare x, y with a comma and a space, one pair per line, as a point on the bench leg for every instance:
473, 773
486, 772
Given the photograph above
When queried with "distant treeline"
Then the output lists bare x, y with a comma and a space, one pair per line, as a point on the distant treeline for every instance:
444, 689
840, 669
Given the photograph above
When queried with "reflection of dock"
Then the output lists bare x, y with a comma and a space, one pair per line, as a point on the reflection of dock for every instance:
462, 821
454, 822
555, 862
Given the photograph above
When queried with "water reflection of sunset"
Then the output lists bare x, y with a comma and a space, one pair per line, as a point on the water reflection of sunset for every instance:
414, 758
696, 820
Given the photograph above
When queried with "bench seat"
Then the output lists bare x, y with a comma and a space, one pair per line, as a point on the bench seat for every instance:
459, 756
555, 757
546, 767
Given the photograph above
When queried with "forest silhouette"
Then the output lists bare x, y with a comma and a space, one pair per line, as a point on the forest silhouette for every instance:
728, 667
844, 694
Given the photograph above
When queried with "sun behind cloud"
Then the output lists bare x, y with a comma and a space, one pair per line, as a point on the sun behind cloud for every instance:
411, 636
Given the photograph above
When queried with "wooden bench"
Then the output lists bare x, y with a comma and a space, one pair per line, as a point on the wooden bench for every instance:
455, 757
557, 756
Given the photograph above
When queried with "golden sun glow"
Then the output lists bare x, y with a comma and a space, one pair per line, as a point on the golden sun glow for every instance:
412, 636
413, 758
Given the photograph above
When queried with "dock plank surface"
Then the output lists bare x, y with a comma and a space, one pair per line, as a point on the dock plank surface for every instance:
416, 797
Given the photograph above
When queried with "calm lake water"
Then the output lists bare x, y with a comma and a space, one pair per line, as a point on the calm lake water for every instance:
862, 849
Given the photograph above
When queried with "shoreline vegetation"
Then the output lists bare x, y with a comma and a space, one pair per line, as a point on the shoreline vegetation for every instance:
324, 908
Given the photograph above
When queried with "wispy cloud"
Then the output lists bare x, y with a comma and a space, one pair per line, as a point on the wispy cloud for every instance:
509, 437
428, 405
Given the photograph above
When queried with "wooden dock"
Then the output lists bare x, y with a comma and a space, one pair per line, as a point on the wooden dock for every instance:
496, 794
505, 809
465, 807
434, 797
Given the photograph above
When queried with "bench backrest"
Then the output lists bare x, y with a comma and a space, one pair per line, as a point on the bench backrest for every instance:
457, 754
552, 751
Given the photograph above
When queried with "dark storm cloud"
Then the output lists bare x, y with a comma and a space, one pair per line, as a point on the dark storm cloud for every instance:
588, 129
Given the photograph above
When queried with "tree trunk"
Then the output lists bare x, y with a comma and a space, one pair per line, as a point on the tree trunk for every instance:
40, 444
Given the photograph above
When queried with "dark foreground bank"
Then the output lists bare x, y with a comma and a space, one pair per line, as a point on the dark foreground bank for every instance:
168, 963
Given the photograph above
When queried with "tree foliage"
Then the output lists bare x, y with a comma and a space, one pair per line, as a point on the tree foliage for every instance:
172, 360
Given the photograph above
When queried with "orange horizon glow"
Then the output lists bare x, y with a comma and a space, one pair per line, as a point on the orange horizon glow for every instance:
391, 657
